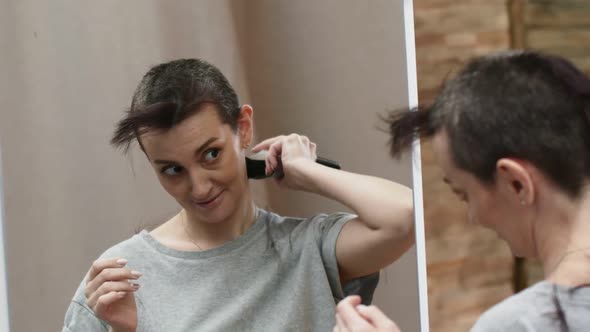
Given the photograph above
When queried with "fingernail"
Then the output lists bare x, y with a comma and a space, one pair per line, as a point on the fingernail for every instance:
361, 307
136, 273
121, 294
136, 286
122, 261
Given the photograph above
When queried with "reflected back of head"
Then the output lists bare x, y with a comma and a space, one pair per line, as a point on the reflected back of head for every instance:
521, 105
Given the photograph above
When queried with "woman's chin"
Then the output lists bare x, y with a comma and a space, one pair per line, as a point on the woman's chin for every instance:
217, 217
211, 212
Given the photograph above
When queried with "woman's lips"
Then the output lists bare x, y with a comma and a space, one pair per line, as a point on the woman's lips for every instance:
213, 202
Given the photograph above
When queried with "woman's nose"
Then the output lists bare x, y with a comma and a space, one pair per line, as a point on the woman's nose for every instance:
200, 186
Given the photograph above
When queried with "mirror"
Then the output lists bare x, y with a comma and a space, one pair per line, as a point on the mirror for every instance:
324, 69
4, 323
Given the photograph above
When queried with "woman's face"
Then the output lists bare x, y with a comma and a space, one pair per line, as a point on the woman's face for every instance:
200, 162
488, 205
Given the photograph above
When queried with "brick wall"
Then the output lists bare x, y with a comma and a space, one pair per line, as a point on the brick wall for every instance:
555, 26
469, 268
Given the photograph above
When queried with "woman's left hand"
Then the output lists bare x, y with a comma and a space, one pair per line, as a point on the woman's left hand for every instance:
292, 154
351, 316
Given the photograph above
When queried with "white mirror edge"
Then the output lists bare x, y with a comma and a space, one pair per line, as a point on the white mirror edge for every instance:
4, 317
416, 168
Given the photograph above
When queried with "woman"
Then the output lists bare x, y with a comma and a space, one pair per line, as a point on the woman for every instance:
221, 263
511, 133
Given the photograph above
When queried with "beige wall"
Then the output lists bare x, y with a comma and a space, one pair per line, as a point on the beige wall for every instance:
68, 70
326, 70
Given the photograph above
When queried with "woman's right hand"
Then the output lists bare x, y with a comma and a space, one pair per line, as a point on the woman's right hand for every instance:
351, 316
110, 293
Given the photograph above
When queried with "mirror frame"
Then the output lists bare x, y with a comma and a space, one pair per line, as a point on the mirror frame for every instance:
410, 43
4, 316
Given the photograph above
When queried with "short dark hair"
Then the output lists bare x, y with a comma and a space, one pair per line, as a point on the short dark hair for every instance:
170, 92
518, 104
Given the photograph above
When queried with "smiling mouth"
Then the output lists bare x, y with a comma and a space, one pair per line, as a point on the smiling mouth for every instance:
206, 202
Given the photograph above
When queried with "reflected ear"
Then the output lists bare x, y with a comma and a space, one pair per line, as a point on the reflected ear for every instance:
245, 125
515, 180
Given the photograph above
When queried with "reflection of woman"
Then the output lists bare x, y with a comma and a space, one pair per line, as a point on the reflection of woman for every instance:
222, 264
512, 135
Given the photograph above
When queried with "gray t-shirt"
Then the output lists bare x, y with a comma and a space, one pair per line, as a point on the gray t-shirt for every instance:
536, 309
280, 275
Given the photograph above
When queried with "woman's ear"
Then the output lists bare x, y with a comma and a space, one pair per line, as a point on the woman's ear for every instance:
245, 125
516, 180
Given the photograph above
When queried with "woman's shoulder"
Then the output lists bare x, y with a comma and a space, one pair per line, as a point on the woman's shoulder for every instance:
519, 312
290, 224
132, 246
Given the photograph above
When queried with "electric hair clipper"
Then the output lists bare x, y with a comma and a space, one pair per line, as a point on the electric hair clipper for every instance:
256, 166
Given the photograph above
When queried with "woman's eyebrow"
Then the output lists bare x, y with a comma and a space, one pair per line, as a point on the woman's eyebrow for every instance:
164, 162
204, 145
197, 151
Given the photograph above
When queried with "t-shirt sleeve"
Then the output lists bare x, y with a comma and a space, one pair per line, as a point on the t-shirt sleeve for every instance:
363, 286
328, 229
80, 318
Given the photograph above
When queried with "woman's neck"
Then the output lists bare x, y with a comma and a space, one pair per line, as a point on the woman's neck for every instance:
210, 235
563, 242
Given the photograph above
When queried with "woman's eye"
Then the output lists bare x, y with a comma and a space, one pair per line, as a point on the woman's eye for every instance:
172, 170
212, 154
